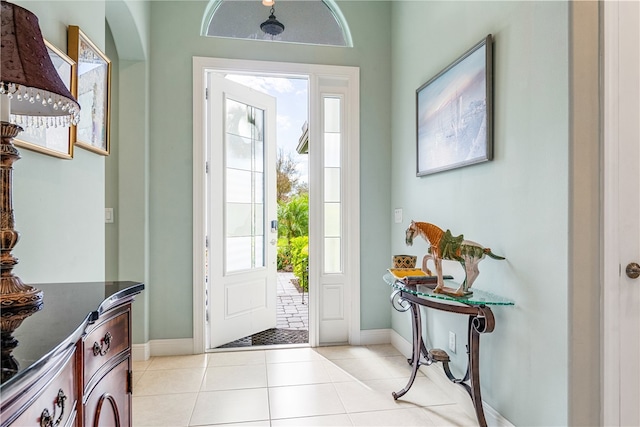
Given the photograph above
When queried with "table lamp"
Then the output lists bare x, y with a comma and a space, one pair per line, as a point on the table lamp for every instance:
32, 93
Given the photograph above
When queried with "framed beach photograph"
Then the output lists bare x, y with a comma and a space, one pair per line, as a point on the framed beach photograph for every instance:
454, 113
93, 92
52, 140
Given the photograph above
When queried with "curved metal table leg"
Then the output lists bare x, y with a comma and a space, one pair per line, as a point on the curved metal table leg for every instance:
418, 344
482, 323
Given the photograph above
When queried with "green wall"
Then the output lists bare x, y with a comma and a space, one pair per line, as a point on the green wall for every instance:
519, 204
59, 204
175, 30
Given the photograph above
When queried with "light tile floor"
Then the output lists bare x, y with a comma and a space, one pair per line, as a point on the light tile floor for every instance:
326, 386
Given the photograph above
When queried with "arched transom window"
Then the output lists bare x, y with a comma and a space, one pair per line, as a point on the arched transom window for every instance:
305, 21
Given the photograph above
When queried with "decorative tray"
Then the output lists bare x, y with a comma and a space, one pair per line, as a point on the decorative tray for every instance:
401, 273
414, 276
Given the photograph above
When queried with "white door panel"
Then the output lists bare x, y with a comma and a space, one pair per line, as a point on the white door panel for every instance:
242, 190
622, 212
629, 211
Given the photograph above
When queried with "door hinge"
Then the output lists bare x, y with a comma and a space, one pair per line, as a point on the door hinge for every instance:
206, 305
206, 93
129, 382
206, 242
206, 167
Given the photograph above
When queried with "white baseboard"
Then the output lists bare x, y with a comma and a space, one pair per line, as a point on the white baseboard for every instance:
175, 347
375, 336
437, 375
402, 345
140, 352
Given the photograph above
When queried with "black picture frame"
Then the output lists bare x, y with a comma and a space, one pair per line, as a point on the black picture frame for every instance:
454, 113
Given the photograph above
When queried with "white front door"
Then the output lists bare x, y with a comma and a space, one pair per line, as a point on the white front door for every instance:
242, 211
334, 199
622, 213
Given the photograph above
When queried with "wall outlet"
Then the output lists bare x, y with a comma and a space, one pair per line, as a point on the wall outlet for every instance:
108, 215
398, 215
452, 341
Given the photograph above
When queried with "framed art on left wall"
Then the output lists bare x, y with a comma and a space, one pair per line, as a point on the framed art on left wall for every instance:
93, 92
50, 139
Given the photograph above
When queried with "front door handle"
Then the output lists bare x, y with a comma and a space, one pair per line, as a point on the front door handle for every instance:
633, 270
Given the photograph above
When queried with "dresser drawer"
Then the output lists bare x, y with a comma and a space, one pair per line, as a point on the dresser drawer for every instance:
57, 403
109, 403
108, 338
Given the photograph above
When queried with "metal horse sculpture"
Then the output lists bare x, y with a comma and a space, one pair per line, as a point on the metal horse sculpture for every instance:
443, 245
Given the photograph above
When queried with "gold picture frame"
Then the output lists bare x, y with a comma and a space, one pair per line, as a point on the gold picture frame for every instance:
54, 141
93, 92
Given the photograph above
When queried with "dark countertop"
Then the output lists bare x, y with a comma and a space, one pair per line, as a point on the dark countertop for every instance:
67, 310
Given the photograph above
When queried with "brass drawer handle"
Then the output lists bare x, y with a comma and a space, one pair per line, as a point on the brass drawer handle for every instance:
46, 420
102, 349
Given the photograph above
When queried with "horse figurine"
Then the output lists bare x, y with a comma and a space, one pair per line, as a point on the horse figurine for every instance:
443, 245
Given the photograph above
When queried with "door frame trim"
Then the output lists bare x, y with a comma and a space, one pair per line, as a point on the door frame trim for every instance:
201, 65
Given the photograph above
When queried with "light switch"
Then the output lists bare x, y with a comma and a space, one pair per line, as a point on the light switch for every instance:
108, 215
398, 215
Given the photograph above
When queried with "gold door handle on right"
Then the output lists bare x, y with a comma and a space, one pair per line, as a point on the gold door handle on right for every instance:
633, 270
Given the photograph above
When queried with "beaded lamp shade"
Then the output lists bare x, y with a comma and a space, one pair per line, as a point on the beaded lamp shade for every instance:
27, 75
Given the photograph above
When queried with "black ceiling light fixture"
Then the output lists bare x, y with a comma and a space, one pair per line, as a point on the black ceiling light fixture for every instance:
272, 25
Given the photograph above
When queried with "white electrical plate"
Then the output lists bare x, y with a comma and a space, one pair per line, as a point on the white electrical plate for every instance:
398, 215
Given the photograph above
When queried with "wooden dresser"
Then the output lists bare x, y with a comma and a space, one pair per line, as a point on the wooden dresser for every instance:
68, 363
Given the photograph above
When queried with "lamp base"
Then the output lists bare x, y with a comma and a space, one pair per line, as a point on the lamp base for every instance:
13, 293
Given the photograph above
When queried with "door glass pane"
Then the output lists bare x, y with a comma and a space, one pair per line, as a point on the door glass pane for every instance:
258, 155
332, 219
259, 220
331, 184
239, 186
239, 152
332, 255
258, 252
332, 115
258, 181
332, 150
244, 185
238, 219
239, 119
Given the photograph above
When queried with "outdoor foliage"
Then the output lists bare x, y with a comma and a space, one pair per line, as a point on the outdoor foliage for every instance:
300, 260
286, 176
293, 222
293, 217
284, 256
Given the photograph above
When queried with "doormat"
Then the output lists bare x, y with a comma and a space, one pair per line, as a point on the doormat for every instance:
271, 336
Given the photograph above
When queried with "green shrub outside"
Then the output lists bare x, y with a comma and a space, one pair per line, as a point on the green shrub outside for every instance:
293, 238
284, 255
300, 260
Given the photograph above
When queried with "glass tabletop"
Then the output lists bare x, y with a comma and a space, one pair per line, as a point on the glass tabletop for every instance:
479, 297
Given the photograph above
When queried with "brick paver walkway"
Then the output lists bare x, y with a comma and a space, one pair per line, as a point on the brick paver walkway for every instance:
292, 312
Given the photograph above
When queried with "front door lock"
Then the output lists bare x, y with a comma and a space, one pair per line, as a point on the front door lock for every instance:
633, 270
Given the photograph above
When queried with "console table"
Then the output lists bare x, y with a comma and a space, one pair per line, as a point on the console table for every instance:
67, 362
481, 320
